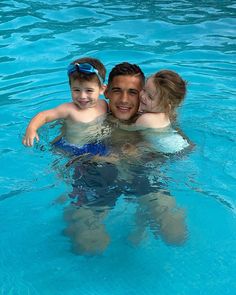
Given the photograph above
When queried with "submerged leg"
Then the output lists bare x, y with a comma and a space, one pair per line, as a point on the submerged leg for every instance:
139, 233
87, 230
164, 218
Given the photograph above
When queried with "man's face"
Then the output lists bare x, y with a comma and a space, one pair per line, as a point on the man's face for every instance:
123, 93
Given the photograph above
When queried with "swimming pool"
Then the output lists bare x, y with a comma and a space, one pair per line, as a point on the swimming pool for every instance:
38, 40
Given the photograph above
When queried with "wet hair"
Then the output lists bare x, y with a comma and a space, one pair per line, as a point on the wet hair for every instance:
126, 69
97, 64
171, 90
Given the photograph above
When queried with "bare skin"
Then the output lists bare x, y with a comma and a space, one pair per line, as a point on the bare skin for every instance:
152, 117
85, 108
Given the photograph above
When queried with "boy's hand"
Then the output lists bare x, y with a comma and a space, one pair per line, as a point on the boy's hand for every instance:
28, 140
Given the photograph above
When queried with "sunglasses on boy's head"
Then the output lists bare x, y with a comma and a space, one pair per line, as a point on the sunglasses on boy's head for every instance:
83, 68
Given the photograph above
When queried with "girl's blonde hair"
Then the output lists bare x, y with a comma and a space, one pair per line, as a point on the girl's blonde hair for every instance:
171, 90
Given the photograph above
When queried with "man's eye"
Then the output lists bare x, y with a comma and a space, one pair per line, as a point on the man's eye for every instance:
90, 90
133, 93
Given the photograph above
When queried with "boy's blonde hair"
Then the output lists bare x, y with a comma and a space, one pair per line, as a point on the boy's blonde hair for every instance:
171, 90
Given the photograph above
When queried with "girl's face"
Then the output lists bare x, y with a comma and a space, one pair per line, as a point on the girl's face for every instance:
149, 100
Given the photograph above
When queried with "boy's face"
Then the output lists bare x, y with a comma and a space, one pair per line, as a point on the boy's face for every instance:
85, 94
149, 98
123, 93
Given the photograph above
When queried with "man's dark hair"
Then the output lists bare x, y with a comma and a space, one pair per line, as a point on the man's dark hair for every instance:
126, 69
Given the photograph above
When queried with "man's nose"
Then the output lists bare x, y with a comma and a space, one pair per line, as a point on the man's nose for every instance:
124, 96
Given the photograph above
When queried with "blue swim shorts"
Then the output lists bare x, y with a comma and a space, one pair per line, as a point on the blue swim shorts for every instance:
96, 148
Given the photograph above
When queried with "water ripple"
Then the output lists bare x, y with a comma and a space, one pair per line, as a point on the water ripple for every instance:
37, 41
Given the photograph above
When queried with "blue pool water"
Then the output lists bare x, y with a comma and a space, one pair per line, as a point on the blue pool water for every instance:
37, 41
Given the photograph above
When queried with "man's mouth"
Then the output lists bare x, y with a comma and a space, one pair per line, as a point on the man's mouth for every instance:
123, 108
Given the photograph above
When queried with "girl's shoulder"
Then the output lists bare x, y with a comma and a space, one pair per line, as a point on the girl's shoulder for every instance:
153, 120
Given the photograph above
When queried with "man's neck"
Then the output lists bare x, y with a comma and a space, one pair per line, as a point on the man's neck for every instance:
132, 120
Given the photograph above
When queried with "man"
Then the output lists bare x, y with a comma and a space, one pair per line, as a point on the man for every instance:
124, 85
86, 223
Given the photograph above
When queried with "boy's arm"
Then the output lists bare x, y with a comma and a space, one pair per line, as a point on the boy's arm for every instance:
61, 112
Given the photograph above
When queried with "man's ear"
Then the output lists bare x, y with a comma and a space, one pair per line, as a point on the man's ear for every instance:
106, 92
103, 89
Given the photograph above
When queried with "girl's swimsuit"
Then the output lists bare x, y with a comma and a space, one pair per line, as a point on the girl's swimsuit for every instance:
168, 141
